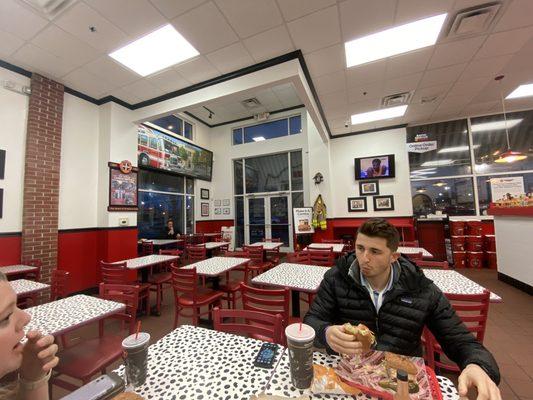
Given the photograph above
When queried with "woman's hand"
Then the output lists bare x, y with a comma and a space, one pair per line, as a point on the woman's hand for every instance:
38, 356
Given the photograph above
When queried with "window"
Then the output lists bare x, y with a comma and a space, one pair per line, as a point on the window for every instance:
297, 180
453, 196
143, 140
187, 130
484, 191
268, 130
158, 181
175, 125
189, 183
267, 173
153, 143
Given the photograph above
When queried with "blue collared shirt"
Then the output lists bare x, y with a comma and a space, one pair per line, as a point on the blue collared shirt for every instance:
375, 295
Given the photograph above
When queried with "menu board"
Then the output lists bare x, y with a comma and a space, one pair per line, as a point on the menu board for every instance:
302, 218
502, 187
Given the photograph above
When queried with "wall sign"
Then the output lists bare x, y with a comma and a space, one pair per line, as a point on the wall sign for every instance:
422, 147
302, 218
122, 186
500, 187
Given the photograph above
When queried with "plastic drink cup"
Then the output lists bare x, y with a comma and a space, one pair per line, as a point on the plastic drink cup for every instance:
300, 338
136, 352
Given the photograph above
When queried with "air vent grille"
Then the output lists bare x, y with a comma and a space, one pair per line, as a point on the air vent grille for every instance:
397, 99
50, 8
251, 103
474, 20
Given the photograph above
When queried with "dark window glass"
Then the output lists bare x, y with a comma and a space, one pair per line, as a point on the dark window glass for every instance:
155, 209
239, 221
237, 173
187, 130
297, 179
452, 155
267, 130
295, 124
170, 123
154, 143
489, 140
143, 140
149, 180
189, 214
267, 173
454, 196
189, 183
298, 200
237, 136
485, 194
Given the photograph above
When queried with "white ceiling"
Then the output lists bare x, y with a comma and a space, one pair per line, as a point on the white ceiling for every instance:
232, 34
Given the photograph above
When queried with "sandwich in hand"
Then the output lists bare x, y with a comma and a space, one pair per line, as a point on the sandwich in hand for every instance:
362, 334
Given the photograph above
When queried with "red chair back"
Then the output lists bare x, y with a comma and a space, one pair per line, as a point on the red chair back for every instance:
273, 240
196, 253
125, 294
254, 253
59, 284
147, 248
433, 264
184, 281
324, 258
332, 241
170, 252
198, 238
114, 273
268, 326
270, 301
416, 257
299, 257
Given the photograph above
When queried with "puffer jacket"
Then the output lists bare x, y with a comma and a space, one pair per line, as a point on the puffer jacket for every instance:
412, 302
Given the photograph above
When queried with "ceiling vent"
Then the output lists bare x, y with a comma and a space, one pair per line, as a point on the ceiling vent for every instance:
428, 99
50, 8
251, 103
474, 20
397, 99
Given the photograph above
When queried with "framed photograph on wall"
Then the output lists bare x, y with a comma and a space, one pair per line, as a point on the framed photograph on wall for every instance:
204, 209
383, 203
226, 211
122, 186
2, 163
218, 203
225, 202
218, 211
1, 202
367, 188
357, 204
204, 194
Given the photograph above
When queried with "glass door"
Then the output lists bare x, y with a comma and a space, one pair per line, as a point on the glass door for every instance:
256, 220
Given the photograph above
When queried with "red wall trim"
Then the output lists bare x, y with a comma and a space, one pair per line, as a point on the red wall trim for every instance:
10, 246
212, 225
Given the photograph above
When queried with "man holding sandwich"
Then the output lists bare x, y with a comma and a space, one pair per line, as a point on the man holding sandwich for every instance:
391, 296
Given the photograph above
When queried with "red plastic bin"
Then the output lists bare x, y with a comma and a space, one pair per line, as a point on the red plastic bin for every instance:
474, 243
474, 228
457, 228
459, 259
458, 243
492, 260
474, 259
490, 243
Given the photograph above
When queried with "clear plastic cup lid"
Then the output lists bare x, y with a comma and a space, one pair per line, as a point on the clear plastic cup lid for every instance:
300, 332
131, 342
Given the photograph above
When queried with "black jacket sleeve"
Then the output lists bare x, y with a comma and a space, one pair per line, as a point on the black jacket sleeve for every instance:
323, 310
458, 343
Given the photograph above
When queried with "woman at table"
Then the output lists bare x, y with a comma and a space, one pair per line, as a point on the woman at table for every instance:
171, 233
34, 360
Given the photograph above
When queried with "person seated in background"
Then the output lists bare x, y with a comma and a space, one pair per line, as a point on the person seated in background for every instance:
376, 169
34, 359
377, 287
171, 233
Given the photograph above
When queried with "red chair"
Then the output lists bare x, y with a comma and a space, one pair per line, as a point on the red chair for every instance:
187, 294
332, 241
413, 243
257, 265
324, 258
59, 284
433, 264
158, 279
416, 257
473, 310
265, 325
195, 253
273, 255
147, 248
34, 275
299, 257
199, 238
86, 359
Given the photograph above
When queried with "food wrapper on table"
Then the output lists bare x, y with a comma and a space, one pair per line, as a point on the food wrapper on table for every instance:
326, 381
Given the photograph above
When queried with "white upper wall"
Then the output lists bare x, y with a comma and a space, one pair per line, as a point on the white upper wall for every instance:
342, 154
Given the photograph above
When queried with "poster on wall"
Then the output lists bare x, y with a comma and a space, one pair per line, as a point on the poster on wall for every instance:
501, 187
302, 217
122, 187
158, 150
422, 147
228, 235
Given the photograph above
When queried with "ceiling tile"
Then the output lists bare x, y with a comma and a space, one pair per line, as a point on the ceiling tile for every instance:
20, 21
438, 91
143, 89
230, 58
169, 80
269, 100
364, 106
330, 83
518, 14
366, 73
63, 45
361, 17
521, 60
42, 62
442, 75
126, 96
469, 88
205, 28
77, 20
505, 42
287, 95
173, 8
269, 44
298, 8
487, 67
334, 100
454, 103
88, 83
197, 70
408, 63
317, 30
321, 62
135, 17
340, 111
107, 68
482, 108
9, 44
413, 10
252, 16
371, 90
455, 52
402, 84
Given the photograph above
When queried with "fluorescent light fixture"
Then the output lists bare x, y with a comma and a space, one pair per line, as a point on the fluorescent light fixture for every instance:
521, 91
437, 163
456, 149
155, 51
258, 138
423, 171
393, 41
377, 115
495, 125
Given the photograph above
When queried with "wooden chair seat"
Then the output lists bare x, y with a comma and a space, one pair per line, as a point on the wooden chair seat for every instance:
203, 296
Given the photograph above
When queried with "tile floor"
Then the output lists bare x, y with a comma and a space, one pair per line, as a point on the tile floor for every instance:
508, 336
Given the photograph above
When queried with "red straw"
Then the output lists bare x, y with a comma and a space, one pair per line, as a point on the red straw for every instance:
138, 329
300, 327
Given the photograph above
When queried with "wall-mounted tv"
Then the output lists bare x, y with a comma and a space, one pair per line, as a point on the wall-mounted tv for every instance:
158, 150
375, 167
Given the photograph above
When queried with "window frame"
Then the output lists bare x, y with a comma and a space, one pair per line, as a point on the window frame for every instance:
243, 127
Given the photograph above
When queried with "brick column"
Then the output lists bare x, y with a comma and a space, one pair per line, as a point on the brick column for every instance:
41, 176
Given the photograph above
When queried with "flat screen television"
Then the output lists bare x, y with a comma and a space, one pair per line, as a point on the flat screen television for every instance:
375, 167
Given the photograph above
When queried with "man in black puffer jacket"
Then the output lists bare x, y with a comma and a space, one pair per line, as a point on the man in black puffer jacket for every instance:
377, 287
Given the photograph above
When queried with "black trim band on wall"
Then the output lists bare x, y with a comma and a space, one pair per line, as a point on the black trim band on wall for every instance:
385, 128
516, 283
109, 228
10, 234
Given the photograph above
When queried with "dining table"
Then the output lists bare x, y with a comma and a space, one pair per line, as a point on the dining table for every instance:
210, 247
215, 266
415, 250
268, 246
17, 269
450, 281
337, 248
25, 287
145, 264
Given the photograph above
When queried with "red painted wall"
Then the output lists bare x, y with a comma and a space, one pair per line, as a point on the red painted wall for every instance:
212, 225
342, 226
10, 245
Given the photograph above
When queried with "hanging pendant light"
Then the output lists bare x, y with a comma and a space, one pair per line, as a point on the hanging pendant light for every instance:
440, 183
507, 156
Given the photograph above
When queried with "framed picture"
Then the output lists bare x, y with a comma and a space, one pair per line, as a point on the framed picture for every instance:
1, 202
2, 163
383, 203
226, 211
218, 203
218, 211
357, 204
204, 209
375, 167
122, 187
368, 188
225, 202
204, 194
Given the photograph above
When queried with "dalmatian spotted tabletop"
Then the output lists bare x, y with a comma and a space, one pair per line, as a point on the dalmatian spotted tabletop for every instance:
24, 286
147, 261
302, 277
214, 245
415, 250
453, 282
164, 242
69, 313
337, 247
17, 269
268, 245
216, 265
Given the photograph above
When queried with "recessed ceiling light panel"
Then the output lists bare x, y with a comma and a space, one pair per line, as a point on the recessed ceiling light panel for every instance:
155, 51
521, 91
393, 41
384, 113
495, 125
